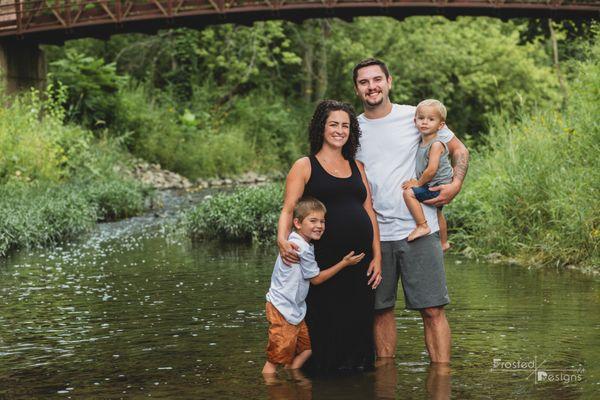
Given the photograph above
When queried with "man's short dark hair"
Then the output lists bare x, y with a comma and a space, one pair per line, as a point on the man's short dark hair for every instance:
367, 62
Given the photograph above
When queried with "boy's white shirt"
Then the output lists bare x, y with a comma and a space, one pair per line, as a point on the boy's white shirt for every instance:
290, 283
388, 149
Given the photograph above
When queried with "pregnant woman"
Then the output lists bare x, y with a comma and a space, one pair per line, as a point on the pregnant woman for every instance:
340, 311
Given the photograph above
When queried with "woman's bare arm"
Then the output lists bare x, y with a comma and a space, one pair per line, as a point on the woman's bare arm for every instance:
375, 267
294, 188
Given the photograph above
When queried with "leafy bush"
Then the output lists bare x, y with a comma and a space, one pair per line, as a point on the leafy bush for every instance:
116, 198
533, 192
57, 180
253, 133
30, 135
93, 88
248, 214
34, 214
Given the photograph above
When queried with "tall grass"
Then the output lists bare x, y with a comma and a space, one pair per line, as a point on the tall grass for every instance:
533, 192
258, 132
35, 214
247, 214
57, 180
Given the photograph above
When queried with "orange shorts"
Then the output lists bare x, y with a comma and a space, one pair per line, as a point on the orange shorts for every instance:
286, 341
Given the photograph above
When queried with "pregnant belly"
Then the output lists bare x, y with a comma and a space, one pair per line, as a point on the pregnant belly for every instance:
346, 229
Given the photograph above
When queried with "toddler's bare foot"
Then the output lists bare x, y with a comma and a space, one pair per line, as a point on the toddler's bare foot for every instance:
445, 246
420, 230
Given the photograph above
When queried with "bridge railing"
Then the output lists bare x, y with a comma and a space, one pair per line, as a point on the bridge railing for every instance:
18, 17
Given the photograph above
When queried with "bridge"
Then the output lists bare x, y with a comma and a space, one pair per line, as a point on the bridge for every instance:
46, 21
26, 23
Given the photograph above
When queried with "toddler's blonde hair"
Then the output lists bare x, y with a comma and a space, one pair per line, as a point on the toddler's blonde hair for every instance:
440, 108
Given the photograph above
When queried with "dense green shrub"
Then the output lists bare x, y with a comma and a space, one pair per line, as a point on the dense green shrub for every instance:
256, 132
116, 198
93, 88
57, 180
246, 214
33, 214
30, 134
35, 143
533, 192
36, 215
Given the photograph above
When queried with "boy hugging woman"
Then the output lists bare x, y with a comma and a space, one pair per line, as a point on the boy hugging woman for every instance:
289, 343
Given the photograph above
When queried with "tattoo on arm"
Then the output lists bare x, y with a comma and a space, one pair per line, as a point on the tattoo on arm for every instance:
461, 165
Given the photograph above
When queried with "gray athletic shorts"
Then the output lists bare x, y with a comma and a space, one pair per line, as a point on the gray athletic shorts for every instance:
420, 263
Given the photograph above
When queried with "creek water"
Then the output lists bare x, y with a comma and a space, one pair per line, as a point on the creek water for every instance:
135, 311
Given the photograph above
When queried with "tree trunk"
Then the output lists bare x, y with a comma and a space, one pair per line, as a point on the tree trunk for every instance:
321, 84
561, 81
307, 69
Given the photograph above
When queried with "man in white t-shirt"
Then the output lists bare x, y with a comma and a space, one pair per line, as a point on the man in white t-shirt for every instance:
388, 147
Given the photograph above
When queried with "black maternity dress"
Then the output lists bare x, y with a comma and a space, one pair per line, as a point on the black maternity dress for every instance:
340, 311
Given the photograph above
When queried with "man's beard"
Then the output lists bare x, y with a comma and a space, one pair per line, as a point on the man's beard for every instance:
373, 103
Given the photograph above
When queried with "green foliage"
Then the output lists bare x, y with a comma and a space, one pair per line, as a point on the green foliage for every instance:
35, 144
533, 192
231, 57
573, 36
474, 65
34, 214
254, 133
57, 180
116, 198
31, 135
248, 214
93, 86
241, 97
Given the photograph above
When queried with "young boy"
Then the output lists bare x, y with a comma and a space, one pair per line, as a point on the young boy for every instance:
432, 167
289, 343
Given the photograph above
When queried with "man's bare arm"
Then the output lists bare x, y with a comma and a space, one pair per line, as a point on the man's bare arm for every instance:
460, 160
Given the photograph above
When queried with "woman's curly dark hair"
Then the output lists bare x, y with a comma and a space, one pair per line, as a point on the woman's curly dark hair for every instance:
317, 127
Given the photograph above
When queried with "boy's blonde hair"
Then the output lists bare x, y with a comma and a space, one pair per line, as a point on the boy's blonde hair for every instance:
306, 205
440, 108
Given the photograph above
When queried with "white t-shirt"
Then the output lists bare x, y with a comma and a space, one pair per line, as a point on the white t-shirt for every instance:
290, 283
388, 149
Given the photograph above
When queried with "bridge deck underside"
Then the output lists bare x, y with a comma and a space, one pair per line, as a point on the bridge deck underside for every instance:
57, 20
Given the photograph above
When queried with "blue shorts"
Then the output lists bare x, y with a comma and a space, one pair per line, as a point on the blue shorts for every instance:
423, 193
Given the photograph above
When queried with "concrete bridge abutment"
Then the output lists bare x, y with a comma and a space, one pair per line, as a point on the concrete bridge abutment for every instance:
22, 65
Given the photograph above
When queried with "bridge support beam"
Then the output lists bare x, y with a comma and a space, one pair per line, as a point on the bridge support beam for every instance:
22, 66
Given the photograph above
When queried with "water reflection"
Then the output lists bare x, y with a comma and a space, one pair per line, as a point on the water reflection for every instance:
288, 385
382, 384
438, 382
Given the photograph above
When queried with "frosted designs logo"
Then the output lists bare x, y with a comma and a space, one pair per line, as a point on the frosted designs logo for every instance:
540, 372
562, 375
